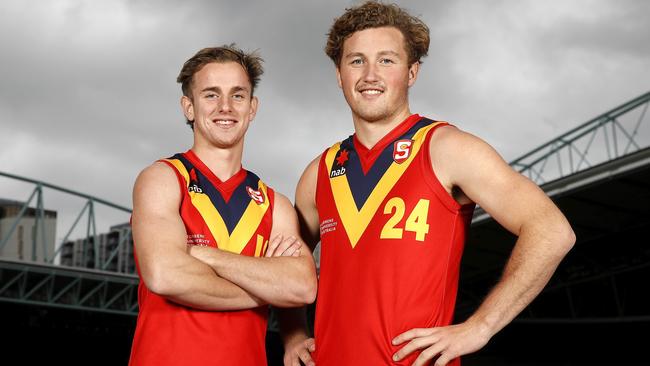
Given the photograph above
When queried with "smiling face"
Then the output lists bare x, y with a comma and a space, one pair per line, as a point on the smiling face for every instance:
375, 75
221, 106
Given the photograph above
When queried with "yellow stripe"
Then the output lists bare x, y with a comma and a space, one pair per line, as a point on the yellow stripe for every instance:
259, 245
206, 209
181, 169
248, 223
212, 218
355, 222
246, 226
331, 154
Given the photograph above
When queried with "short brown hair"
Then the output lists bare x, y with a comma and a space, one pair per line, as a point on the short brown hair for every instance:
251, 62
374, 14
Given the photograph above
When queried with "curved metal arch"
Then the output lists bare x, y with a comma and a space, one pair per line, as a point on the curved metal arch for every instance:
579, 149
88, 209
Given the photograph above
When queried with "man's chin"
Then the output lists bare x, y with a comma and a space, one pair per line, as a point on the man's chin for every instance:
222, 143
372, 116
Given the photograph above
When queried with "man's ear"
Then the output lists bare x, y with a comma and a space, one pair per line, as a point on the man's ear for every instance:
188, 108
338, 77
413, 73
254, 104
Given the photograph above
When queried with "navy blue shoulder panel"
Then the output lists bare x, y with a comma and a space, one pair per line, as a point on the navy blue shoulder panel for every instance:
230, 211
361, 185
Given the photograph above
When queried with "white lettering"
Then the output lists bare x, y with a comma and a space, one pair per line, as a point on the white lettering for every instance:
337, 172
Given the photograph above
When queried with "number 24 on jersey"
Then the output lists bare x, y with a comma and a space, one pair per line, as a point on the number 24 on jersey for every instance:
415, 222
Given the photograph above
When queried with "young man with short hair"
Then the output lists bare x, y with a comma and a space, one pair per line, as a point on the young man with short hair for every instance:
202, 226
391, 206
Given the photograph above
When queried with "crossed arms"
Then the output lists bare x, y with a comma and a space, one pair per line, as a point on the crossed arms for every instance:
208, 278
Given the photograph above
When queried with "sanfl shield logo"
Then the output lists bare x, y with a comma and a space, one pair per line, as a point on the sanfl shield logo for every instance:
402, 150
257, 196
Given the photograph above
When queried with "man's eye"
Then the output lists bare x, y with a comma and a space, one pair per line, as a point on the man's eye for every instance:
356, 61
211, 95
386, 61
238, 96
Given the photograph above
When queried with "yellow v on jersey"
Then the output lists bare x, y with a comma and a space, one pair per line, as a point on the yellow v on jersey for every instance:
232, 215
358, 194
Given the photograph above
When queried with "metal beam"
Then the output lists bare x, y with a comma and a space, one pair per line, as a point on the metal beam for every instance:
66, 287
66, 190
533, 163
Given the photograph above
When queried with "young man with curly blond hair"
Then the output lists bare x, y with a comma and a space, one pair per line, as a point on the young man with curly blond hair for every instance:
391, 206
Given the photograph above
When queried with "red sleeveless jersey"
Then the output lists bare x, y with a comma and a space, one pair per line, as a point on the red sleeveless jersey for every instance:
391, 245
236, 216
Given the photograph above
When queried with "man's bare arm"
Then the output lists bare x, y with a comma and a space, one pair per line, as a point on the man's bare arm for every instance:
519, 205
280, 280
293, 322
544, 237
161, 246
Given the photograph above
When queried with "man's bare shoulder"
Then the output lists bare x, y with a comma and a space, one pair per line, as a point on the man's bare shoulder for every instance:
282, 203
307, 183
453, 138
451, 144
457, 155
285, 221
157, 170
155, 182
312, 167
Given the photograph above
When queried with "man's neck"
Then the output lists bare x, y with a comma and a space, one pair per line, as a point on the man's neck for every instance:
369, 133
224, 163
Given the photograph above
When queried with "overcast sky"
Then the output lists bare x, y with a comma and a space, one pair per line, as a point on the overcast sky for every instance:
88, 96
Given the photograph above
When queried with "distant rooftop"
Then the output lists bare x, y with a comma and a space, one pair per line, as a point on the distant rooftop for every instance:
11, 208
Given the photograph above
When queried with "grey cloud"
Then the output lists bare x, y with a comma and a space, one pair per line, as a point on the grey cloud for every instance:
88, 95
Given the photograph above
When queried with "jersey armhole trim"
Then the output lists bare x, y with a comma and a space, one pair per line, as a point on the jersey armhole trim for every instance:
321, 165
432, 179
270, 193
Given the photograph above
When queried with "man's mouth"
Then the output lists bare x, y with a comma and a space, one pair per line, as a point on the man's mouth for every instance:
224, 122
370, 91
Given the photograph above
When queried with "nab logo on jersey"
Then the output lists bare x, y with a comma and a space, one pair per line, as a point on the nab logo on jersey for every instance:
341, 159
194, 187
402, 150
337, 172
257, 196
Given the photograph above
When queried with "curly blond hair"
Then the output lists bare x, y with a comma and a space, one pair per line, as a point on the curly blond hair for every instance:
374, 14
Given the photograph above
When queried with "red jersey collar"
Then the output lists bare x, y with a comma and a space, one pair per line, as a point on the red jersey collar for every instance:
226, 188
368, 156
